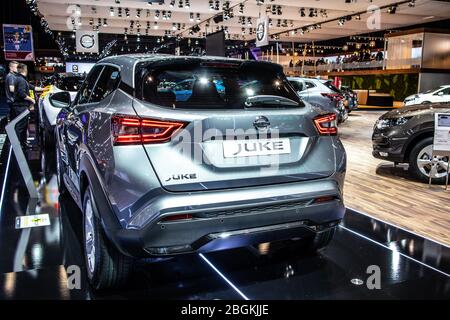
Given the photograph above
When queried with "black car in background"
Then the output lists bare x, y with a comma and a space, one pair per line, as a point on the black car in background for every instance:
406, 136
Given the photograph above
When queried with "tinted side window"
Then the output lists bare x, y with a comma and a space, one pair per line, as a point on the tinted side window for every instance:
445, 91
309, 85
88, 85
107, 83
297, 85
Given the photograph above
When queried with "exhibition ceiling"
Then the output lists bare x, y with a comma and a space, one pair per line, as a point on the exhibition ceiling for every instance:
291, 20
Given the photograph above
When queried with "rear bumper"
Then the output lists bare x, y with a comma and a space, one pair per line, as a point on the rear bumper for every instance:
230, 218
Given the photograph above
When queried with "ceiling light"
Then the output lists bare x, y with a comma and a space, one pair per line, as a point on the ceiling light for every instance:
392, 9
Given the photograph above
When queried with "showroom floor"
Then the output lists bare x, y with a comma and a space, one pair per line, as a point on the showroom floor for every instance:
35, 261
377, 188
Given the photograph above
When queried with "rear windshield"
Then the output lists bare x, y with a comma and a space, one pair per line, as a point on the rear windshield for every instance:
228, 86
69, 83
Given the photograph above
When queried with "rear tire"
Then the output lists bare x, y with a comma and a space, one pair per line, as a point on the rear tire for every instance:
106, 266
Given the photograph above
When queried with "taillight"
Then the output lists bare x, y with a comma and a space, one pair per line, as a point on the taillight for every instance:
134, 130
332, 96
326, 124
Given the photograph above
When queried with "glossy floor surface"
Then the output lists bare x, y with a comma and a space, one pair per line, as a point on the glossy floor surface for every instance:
38, 263
387, 192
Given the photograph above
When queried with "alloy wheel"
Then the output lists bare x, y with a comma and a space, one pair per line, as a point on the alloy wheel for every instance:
436, 166
89, 236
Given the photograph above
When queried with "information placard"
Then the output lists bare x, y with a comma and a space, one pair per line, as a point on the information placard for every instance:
441, 133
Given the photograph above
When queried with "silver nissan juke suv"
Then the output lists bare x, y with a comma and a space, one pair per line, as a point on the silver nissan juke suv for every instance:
168, 155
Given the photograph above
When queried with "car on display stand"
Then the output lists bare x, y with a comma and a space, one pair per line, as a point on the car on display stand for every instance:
406, 136
157, 174
70, 82
317, 92
439, 95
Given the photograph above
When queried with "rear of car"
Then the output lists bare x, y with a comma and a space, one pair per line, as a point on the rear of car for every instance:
203, 154
315, 92
238, 147
339, 97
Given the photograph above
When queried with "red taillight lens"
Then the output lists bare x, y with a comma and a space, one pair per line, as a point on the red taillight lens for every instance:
324, 199
326, 124
134, 130
332, 96
177, 217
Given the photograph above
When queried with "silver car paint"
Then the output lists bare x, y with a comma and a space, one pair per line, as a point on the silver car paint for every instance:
133, 177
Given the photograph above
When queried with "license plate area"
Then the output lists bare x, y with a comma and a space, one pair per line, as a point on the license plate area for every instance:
255, 147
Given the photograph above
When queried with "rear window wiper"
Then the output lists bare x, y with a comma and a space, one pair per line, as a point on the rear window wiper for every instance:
269, 100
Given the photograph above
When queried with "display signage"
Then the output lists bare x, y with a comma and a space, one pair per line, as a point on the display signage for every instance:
262, 31
32, 221
18, 41
87, 41
441, 133
79, 67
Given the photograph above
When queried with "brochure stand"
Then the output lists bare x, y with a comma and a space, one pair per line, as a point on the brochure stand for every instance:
20, 156
441, 144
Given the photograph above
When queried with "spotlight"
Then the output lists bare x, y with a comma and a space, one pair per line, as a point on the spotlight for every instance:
111, 12
105, 23
172, 3
187, 4
412, 3
341, 22
155, 25
191, 17
392, 9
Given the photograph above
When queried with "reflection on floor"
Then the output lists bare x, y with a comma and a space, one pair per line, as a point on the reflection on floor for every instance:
37, 263
386, 192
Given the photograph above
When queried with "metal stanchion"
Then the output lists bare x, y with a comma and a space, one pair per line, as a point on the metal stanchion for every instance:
20, 156
434, 164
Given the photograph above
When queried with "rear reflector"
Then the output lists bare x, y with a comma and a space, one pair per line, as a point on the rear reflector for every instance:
133, 130
326, 124
324, 199
177, 217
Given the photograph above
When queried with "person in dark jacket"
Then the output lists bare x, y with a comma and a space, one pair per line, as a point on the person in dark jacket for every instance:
22, 102
10, 83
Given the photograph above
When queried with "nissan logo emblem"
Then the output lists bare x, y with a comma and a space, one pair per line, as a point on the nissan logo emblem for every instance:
261, 123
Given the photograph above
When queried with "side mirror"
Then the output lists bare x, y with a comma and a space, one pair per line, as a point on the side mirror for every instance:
60, 99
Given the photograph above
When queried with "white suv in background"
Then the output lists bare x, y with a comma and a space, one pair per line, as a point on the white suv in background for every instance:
439, 95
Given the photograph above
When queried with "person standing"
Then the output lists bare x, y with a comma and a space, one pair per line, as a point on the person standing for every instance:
22, 102
10, 84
